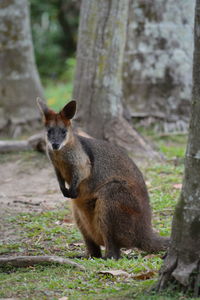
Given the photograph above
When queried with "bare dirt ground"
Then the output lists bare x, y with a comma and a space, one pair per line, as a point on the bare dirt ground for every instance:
27, 184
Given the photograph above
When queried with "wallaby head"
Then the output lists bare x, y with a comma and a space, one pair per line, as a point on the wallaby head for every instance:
57, 125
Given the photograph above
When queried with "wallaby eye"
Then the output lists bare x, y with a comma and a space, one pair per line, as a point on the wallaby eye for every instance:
63, 131
50, 131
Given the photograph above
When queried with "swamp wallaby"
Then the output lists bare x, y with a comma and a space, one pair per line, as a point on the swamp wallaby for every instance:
109, 196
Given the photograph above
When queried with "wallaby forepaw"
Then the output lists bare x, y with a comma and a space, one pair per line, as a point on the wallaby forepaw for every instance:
73, 194
65, 193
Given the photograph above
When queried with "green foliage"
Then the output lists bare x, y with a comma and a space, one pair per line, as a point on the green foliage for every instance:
59, 93
54, 26
69, 73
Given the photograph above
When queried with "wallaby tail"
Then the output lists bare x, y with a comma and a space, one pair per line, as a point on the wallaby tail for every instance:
155, 243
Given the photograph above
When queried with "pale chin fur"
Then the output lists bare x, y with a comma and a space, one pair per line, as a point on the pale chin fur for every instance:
62, 145
51, 148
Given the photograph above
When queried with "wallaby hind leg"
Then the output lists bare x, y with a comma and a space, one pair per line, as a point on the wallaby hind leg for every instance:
119, 214
93, 250
112, 250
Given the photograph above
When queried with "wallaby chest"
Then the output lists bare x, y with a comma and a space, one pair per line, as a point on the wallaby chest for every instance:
71, 161
64, 166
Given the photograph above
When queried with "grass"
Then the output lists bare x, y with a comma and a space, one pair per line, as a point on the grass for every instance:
53, 232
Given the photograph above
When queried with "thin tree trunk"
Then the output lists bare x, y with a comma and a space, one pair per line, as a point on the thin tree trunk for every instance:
98, 82
158, 61
19, 80
182, 264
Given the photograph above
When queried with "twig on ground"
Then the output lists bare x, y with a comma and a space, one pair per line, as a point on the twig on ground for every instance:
27, 203
26, 261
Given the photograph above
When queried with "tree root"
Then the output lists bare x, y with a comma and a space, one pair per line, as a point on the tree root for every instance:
27, 261
166, 271
175, 274
197, 283
120, 132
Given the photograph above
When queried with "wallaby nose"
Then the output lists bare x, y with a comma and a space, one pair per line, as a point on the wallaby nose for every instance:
55, 146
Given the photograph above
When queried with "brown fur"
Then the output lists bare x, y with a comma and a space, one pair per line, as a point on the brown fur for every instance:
54, 118
111, 203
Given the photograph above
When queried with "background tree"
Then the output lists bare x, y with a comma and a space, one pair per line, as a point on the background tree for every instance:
19, 80
98, 82
182, 264
158, 61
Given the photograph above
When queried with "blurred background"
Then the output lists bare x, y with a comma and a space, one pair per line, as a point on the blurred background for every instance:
157, 62
54, 27
157, 67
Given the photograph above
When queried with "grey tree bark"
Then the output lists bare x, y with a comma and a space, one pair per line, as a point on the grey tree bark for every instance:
158, 60
182, 264
19, 79
98, 81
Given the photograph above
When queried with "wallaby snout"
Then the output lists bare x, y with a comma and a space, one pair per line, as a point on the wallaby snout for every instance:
55, 146
57, 137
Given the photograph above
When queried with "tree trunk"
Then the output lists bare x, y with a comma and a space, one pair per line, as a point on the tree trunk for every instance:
158, 60
19, 80
98, 82
182, 264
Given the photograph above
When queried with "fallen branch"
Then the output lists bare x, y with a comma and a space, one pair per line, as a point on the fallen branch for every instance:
27, 261
11, 146
35, 142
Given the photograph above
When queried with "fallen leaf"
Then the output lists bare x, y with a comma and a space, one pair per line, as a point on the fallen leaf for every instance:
177, 186
144, 275
115, 273
148, 184
67, 220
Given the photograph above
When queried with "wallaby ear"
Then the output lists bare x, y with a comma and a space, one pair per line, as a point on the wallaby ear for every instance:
42, 106
69, 110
